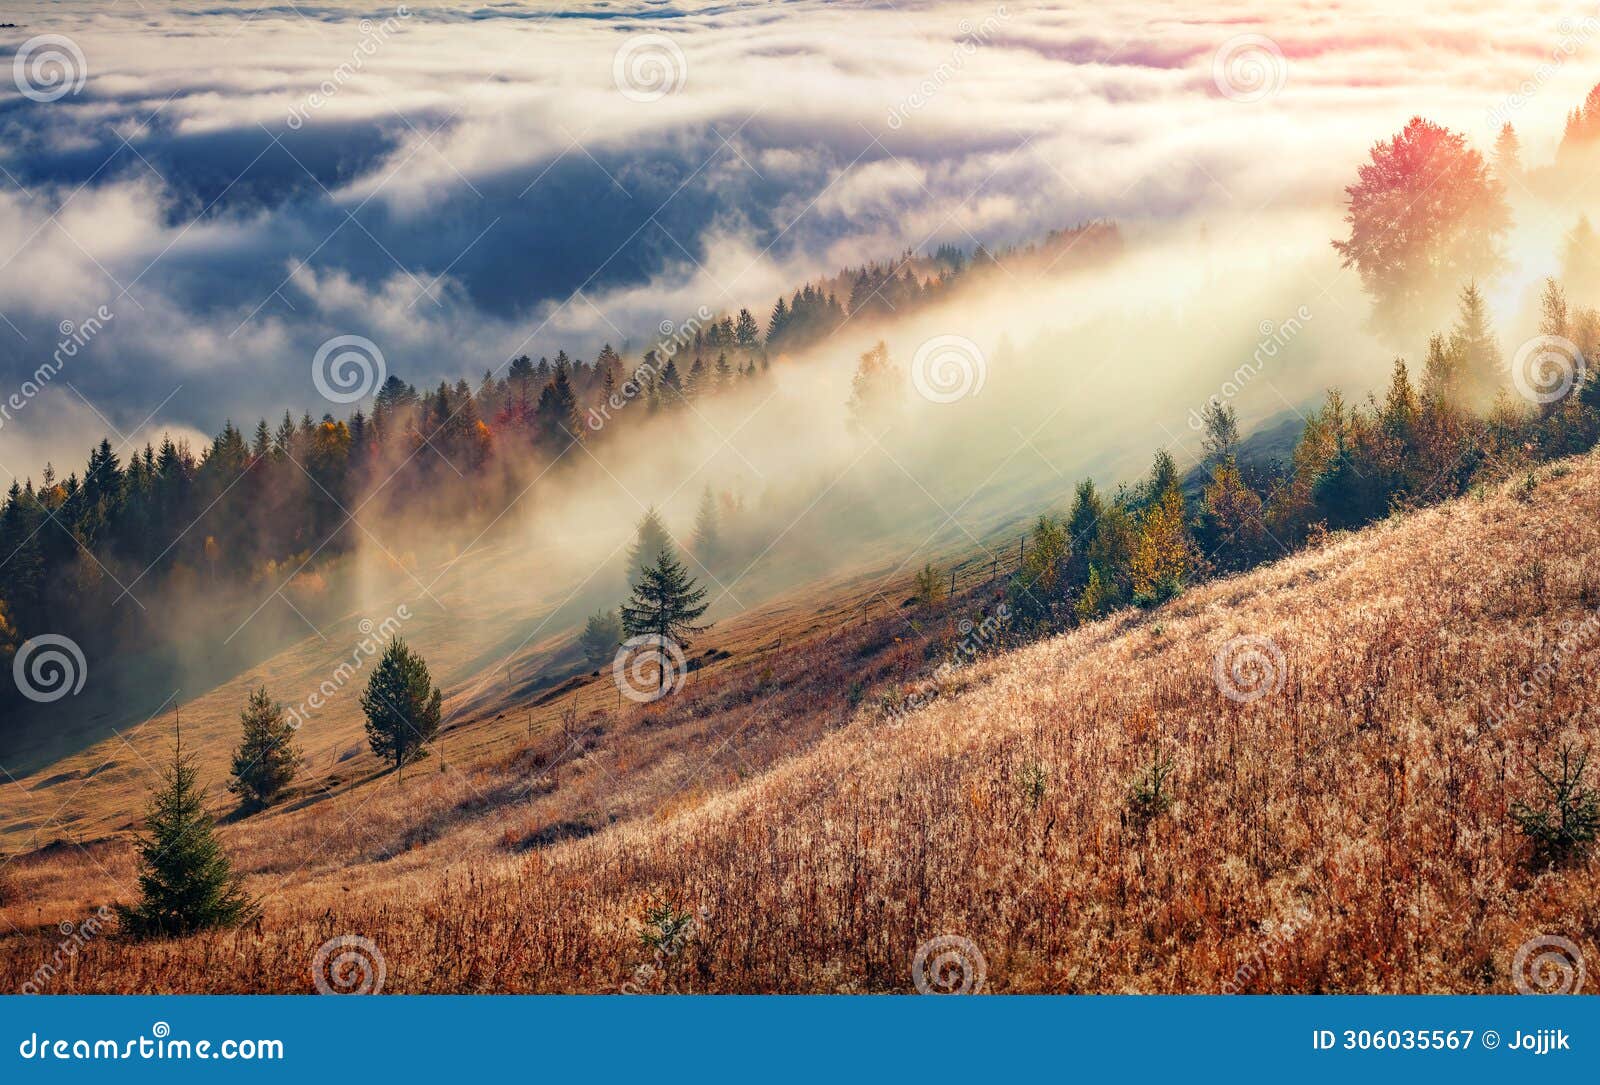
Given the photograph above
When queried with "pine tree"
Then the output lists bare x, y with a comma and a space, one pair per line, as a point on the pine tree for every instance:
777, 324
266, 759
601, 635
650, 544
1580, 261
664, 605
1507, 154
402, 705
186, 883
707, 532
746, 333
1475, 348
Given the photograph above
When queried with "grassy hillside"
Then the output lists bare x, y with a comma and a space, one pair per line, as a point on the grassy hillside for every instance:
1341, 823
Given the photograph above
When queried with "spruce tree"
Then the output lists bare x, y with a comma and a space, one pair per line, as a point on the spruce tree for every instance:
601, 635
1473, 342
665, 604
707, 532
651, 543
266, 759
186, 883
402, 705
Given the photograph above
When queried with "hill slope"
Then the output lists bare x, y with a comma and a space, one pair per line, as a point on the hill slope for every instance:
1344, 830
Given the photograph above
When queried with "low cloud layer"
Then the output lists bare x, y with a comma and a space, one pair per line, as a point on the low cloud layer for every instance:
465, 182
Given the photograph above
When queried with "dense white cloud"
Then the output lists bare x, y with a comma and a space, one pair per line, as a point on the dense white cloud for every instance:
463, 181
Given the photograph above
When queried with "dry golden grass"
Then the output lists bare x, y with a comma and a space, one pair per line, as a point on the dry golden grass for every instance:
1352, 820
